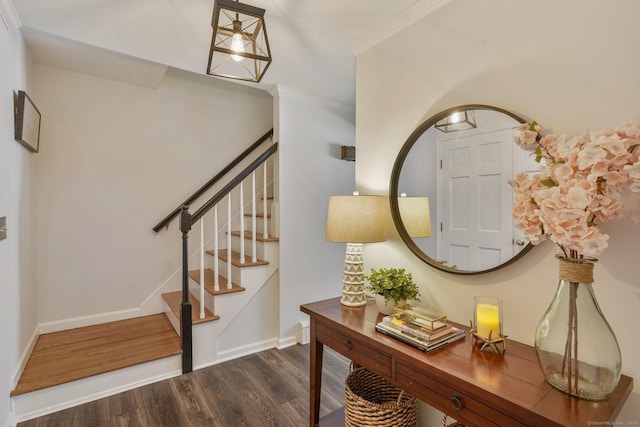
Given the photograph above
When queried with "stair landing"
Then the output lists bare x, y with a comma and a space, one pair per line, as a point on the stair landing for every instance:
65, 356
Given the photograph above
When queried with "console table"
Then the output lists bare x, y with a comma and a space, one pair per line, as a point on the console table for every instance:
474, 387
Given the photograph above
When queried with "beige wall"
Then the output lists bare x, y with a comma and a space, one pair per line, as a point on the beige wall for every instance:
310, 132
115, 159
18, 314
569, 65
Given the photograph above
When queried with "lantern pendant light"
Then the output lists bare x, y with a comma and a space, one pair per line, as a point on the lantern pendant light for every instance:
239, 44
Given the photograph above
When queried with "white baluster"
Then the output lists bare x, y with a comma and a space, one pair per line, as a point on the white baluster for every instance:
202, 268
229, 242
254, 208
216, 267
241, 222
265, 230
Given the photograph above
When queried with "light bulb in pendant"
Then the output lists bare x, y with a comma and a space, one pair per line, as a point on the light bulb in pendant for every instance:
456, 117
237, 45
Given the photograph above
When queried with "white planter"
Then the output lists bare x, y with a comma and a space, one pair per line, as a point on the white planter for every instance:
386, 306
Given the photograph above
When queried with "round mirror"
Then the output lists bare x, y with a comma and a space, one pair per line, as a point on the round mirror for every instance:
449, 192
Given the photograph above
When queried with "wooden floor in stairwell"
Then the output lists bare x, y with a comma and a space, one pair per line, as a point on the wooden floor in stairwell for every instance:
65, 356
270, 388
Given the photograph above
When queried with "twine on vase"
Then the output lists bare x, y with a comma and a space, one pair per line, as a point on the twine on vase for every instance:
576, 272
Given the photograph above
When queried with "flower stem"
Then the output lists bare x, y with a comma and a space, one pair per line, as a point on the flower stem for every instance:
570, 366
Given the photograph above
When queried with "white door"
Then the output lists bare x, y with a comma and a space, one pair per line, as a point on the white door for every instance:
475, 199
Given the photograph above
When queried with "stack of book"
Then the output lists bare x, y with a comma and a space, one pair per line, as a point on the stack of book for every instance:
419, 328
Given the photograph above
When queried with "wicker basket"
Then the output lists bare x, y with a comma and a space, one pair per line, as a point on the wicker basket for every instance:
455, 424
372, 401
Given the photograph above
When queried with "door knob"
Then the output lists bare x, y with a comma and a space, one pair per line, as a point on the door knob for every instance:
520, 242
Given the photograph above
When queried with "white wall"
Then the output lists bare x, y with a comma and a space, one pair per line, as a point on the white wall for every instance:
570, 66
310, 133
116, 158
17, 254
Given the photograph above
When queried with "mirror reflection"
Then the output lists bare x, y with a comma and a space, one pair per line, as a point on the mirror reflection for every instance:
454, 172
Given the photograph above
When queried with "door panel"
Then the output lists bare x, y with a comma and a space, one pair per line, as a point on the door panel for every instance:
475, 214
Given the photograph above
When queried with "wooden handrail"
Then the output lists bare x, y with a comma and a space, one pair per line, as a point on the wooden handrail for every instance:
212, 181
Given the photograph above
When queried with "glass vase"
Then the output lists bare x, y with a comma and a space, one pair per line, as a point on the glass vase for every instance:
576, 348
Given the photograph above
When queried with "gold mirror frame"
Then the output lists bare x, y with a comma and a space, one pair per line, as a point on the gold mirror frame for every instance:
395, 178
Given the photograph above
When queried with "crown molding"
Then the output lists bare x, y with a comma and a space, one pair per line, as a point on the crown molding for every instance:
399, 22
9, 15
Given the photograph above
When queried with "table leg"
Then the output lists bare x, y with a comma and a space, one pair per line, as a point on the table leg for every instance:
315, 376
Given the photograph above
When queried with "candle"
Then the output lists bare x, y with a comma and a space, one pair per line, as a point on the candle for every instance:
488, 320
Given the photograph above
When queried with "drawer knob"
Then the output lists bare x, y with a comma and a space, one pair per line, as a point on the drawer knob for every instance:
456, 402
348, 344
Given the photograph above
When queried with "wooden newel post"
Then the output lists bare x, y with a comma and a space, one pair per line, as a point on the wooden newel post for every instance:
185, 306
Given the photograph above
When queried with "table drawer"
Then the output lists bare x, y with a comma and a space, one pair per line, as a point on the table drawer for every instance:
447, 399
357, 351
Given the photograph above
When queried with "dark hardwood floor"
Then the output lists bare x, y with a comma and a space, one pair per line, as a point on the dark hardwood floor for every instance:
270, 388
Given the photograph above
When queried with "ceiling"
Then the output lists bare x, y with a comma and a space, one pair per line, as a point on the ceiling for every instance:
313, 42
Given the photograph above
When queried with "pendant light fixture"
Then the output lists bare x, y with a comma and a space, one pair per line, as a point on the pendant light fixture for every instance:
239, 44
459, 120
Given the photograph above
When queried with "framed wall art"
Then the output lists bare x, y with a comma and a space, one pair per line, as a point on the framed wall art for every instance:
27, 122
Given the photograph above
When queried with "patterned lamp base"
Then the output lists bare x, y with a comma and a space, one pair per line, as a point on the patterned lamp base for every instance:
353, 280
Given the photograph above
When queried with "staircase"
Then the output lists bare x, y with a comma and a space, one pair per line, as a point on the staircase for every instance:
222, 306
236, 262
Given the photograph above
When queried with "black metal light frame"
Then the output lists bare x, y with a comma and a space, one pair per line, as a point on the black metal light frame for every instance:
464, 120
231, 17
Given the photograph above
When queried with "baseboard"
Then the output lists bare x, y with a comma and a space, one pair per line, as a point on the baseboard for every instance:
79, 322
24, 358
304, 331
57, 398
245, 350
287, 342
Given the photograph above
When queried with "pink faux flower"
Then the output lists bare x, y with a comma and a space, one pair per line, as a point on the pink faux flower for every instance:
580, 185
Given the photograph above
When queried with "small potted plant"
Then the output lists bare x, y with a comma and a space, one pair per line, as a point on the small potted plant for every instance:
391, 287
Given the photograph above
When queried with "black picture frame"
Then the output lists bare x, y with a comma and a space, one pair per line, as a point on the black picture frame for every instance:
27, 122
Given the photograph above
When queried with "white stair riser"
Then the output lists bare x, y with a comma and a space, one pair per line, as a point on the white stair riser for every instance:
247, 276
263, 249
209, 300
228, 305
236, 274
259, 225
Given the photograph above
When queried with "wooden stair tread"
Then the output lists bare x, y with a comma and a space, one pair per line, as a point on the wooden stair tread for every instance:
235, 259
209, 282
65, 356
259, 236
174, 299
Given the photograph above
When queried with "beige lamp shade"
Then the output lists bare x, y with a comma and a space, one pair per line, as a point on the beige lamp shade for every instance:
356, 219
414, 212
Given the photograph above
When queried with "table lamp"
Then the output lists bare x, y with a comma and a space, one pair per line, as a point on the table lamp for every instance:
414, 212
355, 220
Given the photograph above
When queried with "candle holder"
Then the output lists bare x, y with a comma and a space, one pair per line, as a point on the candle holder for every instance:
486, 325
